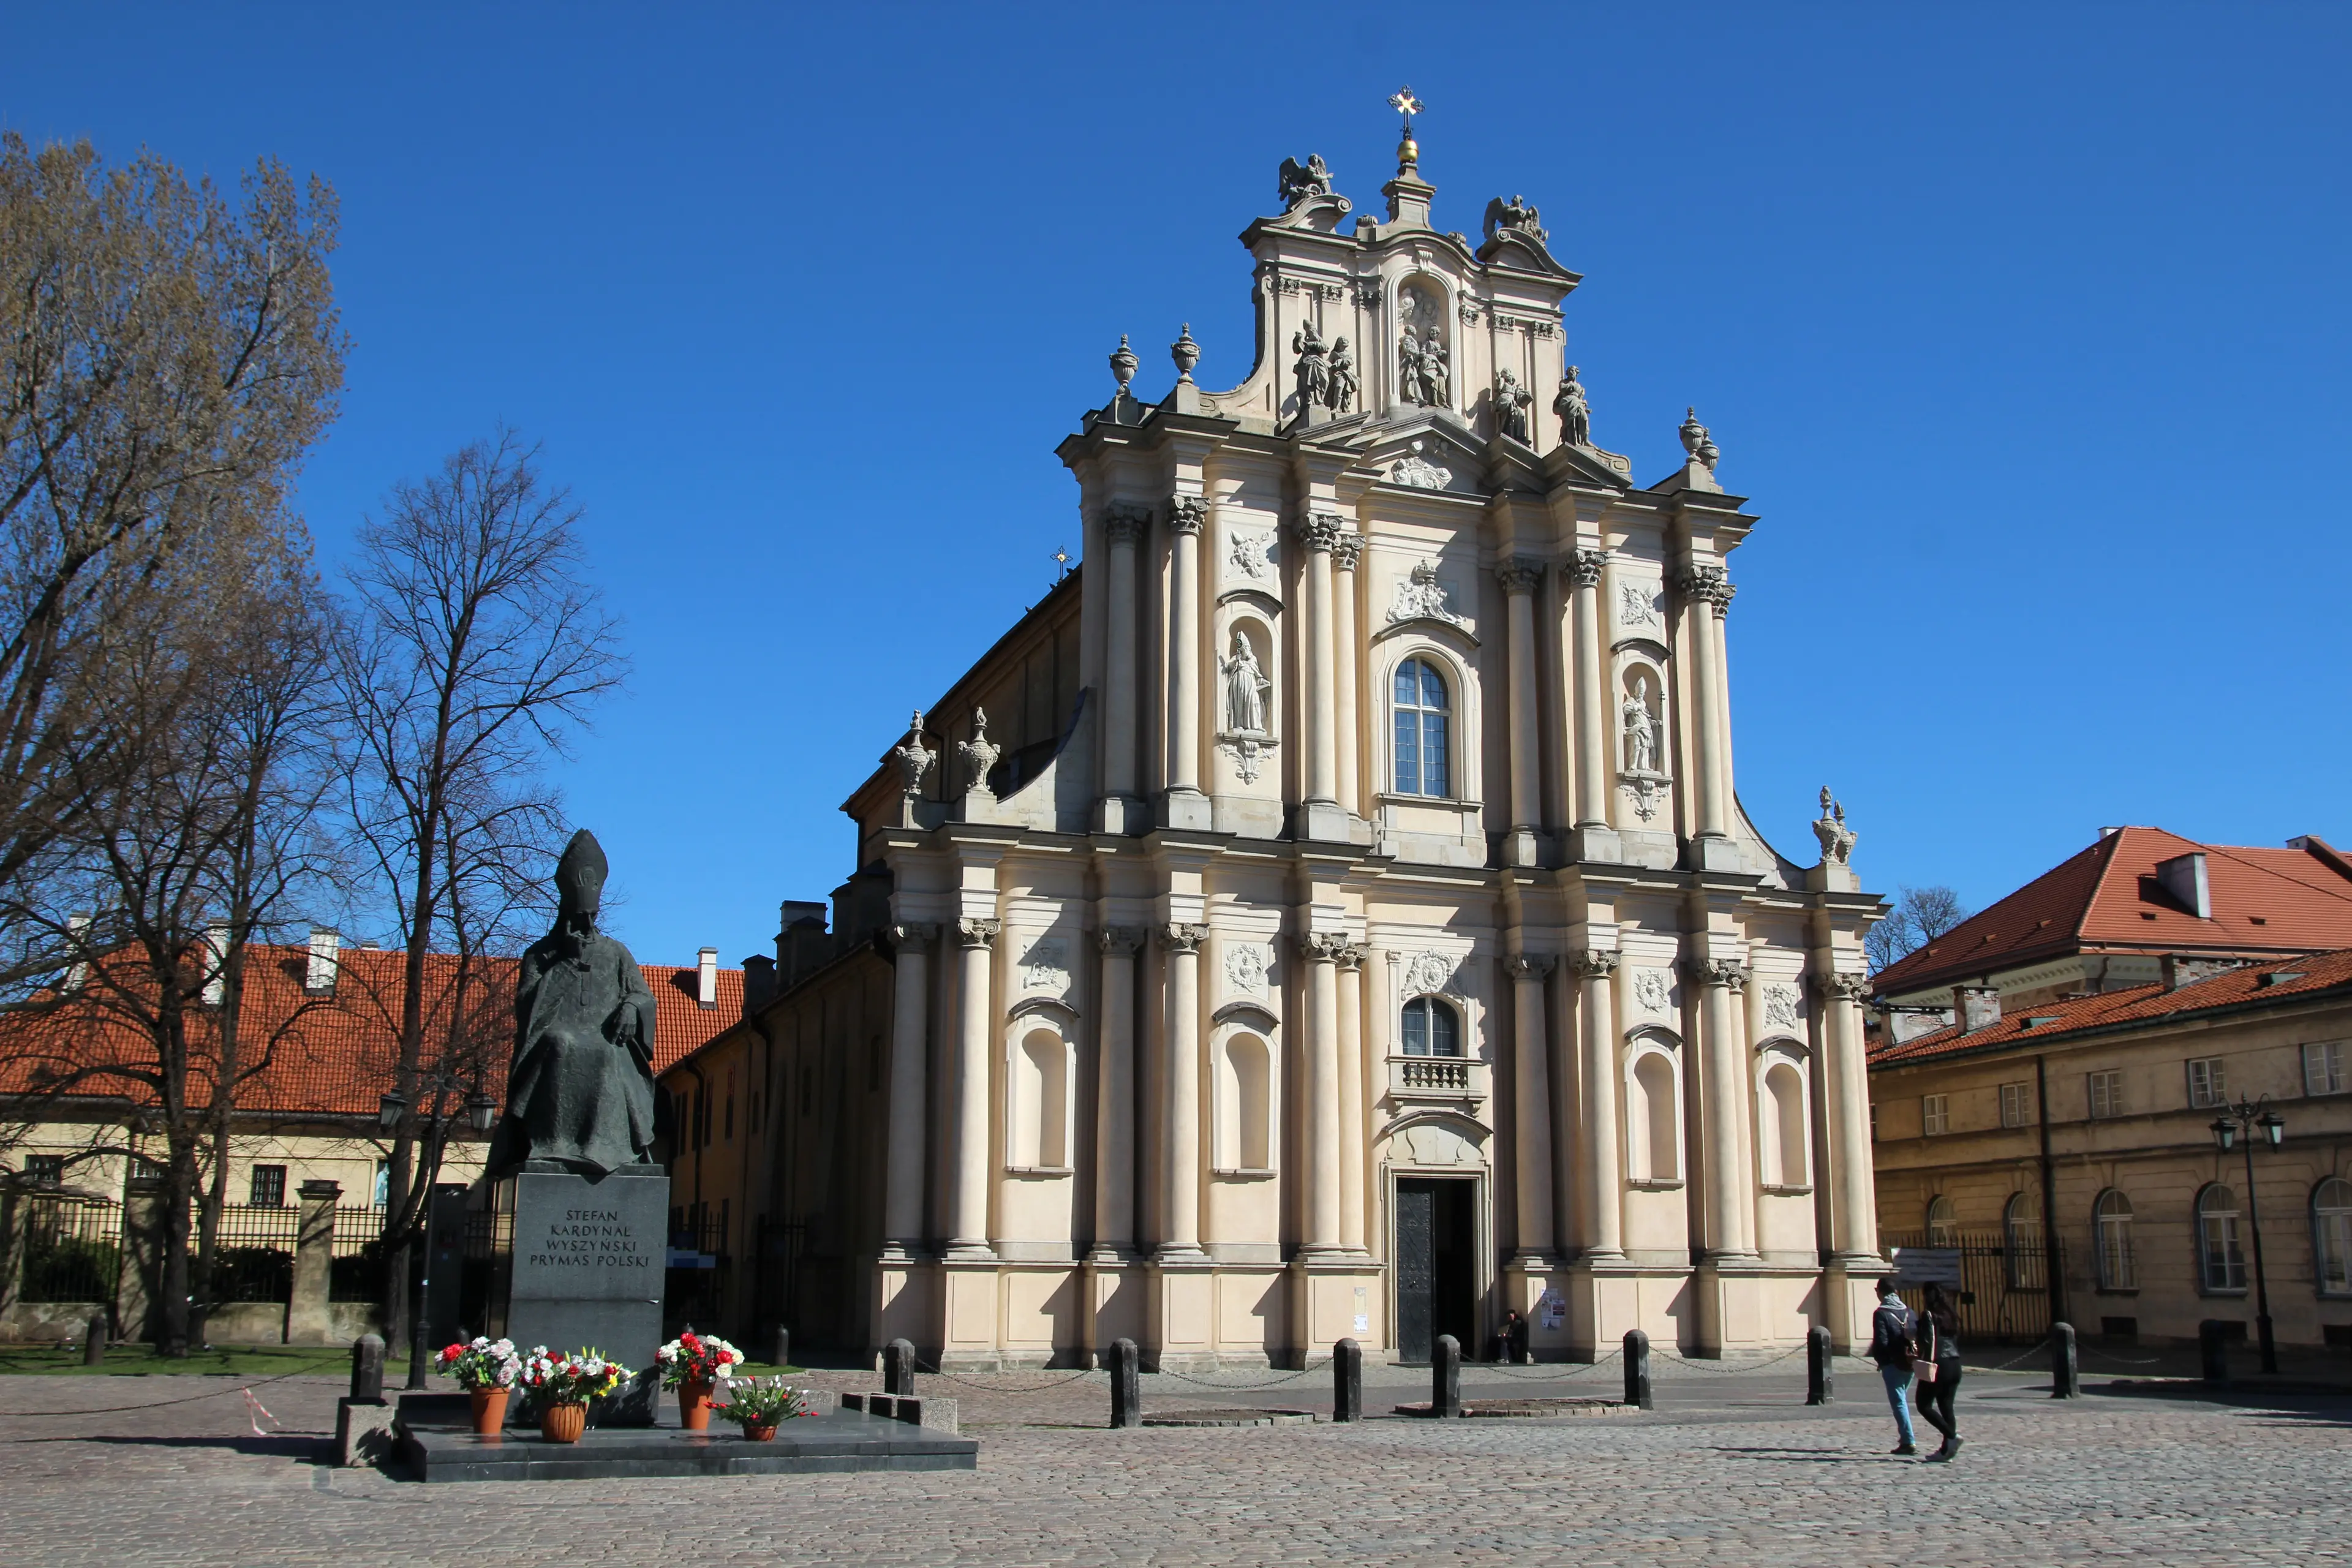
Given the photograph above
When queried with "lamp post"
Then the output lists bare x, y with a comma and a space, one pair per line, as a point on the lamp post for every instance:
481, 1114
2246, 1120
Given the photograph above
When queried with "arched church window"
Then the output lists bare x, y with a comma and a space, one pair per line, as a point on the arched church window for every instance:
1422, 736
2112, 1216
1432, 1028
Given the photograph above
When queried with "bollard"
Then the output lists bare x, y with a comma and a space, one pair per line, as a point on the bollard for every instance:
2065, 1372
1817, 1365
781, 1352
898, 1367
2213, 1350
93, 1341
367, 1368
1445, 1378
1347, 1381
1125, 1384
1637, 1369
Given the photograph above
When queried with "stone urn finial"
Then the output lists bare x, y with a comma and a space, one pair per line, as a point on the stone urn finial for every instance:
1185, 353
1693, 432
1122, 364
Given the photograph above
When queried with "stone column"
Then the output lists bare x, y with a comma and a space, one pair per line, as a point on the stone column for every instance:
1179, 1228
1351, 1097
1321, 1122
968, 1206
1187, 808
1707, 593
1852, 1205
1521, 576
1114, 1112
1594, 745
1319, 533
309, 1319
1531, 1104
1345, 552
910, 1035
1603, 1176
1125, 528
1728, 1180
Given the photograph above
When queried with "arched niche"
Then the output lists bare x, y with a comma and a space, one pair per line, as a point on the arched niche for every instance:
1783, 1116
1424, 318
1653, 1108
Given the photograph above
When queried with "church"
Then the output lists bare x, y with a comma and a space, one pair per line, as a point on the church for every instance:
1329, 911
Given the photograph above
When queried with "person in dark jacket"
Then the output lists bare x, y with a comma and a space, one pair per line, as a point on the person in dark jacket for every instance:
1891, 1329
1938, 1335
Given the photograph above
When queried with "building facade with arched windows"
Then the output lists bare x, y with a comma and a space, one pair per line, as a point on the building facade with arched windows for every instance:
1330, 913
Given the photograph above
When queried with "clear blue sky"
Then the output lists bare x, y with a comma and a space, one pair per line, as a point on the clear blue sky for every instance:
2023, 326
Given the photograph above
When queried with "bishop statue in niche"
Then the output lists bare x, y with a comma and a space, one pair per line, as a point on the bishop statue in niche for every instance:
1246, 689
1644, 733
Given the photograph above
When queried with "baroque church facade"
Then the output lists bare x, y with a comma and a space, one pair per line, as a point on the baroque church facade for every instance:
1329, 911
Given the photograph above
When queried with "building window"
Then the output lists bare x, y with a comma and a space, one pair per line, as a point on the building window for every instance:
45, 1170
2221, 1266
2207, 1088
1432, 1028
2015, 1104
2331, 1235
1943, 1223
2106, 1094
1934, 1115
2322, 1069
1653, 1120
1244, 1127
267, 1188
2111, 1216
1421, 744
2021, 1243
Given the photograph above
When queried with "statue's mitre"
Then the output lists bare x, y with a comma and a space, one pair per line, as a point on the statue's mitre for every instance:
583, 866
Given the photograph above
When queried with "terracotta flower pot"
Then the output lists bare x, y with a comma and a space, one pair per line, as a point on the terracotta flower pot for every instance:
693, 1406
758, 1434
564, 1423
489, 1410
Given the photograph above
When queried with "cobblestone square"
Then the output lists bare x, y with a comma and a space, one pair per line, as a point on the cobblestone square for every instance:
1730, 1469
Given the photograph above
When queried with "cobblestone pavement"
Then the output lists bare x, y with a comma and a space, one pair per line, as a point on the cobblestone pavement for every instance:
1729, 1471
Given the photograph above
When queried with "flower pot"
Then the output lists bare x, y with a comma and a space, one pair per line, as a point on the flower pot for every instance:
564, 1423
758, 1434
693, 1406
489, 1410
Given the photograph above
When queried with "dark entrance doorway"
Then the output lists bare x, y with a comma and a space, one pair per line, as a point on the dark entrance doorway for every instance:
1436, 1229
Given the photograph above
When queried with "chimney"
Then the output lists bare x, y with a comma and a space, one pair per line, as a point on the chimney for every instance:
318, 974
2183, 876
706, 978
801, 943
216, 965
758, 982
1979, 1006
77, 938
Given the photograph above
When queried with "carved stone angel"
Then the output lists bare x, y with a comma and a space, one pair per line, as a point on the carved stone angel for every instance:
1514, 214
1300, 180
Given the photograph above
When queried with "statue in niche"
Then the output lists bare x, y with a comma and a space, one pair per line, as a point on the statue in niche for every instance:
1342, 395
1516, 215
1246, 689
1299, 180
1575, 414
1645, 732
1511, 402
1409, 367
1314, 371
1435, 380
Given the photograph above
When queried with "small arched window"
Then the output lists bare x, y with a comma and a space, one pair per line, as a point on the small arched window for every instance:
2021, 1243
2112, 1218
1781, 1126
2331, 1234
1422, 742
1432, 1028
1244, 1120
1652, 1152
1943, 1223
2220, 1263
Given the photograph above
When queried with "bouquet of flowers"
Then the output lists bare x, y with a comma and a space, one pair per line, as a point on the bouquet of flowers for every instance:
572, 1379
485, 1363
696, 1358
753, 1405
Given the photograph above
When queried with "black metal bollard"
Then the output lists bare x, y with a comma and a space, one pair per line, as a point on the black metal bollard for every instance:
367, 1369
2213, 1350
1347, 1381
93, 1341
898, 1367
2065, 1373
1637, 1369
1817, 1365
1125, 1384
781, 1352
1445, 1378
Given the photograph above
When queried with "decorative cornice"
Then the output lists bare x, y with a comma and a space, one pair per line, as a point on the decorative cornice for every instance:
1520, 575
1187, 513
1180, 936
1126, 524
914, 936
1724, 971
1594, 963
1584, 567
1528, 967
1119, 942
984, 933
1320, 529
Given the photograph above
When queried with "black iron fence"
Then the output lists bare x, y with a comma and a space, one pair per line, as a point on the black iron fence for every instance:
356, 1270
2003, 1292
253, 1253
695, 1286
73, 1249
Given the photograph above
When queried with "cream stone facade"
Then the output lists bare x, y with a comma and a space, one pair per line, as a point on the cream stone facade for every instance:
1330, 912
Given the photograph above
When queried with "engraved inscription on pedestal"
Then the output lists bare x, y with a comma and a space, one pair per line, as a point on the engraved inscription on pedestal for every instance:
587, 1263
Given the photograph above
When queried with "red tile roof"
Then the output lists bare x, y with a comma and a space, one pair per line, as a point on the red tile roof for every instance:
2280, 980
2107, 898
326, 1055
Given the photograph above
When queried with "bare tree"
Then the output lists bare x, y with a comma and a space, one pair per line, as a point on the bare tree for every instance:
1919, 917
165, 360
474, 648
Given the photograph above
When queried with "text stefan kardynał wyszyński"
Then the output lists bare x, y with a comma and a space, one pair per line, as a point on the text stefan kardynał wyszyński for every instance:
590, 1238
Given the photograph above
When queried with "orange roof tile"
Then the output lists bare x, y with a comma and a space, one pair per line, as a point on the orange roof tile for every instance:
2107, 898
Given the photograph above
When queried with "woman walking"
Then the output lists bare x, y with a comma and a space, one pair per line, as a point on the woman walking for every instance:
1939, 1348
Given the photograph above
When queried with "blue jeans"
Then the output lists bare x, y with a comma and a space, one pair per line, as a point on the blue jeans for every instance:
1898, 1394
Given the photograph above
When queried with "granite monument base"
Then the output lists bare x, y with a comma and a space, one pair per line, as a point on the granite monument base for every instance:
587, 1267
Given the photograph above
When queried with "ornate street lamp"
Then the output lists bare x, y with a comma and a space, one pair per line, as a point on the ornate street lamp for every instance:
481, 1114
2249, 1117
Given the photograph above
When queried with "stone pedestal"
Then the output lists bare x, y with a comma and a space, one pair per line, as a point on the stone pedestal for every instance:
309, 1317
588, 1261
